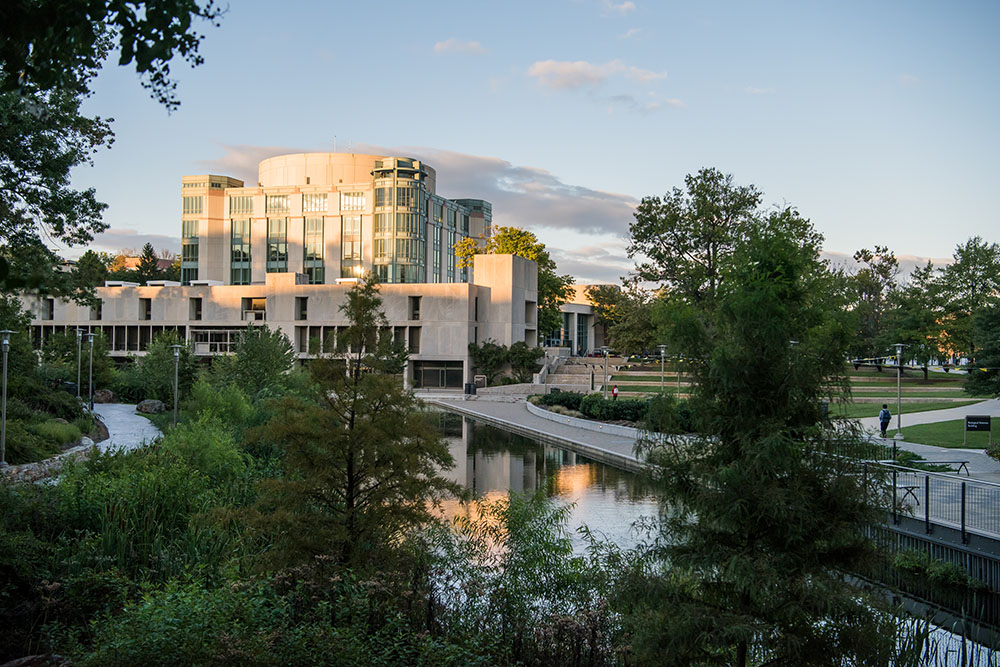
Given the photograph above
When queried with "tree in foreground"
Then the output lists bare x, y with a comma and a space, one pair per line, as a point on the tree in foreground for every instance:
760, 519
553, 289
261, 357
361, 461
984, 377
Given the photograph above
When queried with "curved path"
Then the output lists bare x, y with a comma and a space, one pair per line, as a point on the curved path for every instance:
126, 428
980, 466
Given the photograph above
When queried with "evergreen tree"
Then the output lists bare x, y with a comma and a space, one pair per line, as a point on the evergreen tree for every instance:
361, 463
984, 376
260, 359
149, 267
761, 520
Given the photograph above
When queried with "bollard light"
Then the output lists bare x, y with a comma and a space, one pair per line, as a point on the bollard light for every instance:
5, 344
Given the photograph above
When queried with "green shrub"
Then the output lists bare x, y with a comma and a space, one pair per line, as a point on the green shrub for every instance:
56, 433
624, 409
23, 445
206, 446
667, 414
567, 399
228, 403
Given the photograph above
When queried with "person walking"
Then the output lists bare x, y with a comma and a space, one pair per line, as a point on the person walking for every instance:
884, 417
614, 393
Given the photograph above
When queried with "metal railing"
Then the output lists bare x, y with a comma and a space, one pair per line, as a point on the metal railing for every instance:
968, 505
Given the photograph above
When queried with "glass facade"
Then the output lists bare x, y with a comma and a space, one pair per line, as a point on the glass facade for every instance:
277, 245
352, 201
239, 253
582, 333
240, 205
193, 205
314, 203
350, 247
436, 254
276, 204
312, 261
189, 250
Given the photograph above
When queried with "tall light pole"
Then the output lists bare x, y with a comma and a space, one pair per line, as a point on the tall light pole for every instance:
605, 349
90, 381
177, 358
899, 381
679, 358
663, 351
5, 343
79, 355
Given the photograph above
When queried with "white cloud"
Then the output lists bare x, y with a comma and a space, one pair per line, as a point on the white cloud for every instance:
568, 75
621, 7
907, 263
114, 239
908, 79
751, 90
630, 33
457, 46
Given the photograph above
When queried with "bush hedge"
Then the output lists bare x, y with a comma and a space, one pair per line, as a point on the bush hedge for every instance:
624, 409
567, 399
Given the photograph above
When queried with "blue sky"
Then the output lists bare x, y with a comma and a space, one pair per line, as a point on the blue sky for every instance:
877, 120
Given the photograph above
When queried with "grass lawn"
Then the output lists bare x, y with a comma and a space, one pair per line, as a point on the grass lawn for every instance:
945, 434
913, 394
859, 410
647, 389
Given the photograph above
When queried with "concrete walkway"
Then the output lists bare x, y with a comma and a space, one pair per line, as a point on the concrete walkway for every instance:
612, 449
981, 466
127, 429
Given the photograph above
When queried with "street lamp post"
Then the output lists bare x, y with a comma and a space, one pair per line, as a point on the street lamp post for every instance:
899, 380
5, 335
679, 358
605, 350
90, 381
663, 351
177, 357
79, 355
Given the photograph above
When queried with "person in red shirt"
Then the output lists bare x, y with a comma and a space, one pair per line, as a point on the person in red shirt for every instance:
614, 393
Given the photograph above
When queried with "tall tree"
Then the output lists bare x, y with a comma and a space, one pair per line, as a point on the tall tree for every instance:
759, 519
149, 267
261, 357
50, 52
361, 462
970, 283
685, 236
984, 376
914, 316
873, 286
553, 289
626, 313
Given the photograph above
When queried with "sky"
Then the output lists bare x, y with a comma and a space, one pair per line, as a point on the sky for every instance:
876, 120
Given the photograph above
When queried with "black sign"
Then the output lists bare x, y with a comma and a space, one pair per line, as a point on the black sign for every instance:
977, 422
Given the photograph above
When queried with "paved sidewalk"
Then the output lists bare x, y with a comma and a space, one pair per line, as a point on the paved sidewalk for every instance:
127, 430
613, 449
981, 466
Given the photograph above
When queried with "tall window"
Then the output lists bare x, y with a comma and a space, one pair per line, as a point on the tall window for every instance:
405, 197
314, 203
451, 256
350, 246
193, 205
239, 255
465, 223
383, 223
277, 204
436, 252
189, 250
382, 250
241, 205
383, 197
277, 245
352, 201
451, 218
406, 224
313, 250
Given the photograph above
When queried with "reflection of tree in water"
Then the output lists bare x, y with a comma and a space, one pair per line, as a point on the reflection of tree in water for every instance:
558, 471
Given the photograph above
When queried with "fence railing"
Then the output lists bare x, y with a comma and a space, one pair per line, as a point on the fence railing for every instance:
970, 505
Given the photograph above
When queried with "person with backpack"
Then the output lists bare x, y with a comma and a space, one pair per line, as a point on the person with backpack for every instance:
884, 417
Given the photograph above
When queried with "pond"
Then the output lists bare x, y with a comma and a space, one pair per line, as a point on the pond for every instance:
490, 462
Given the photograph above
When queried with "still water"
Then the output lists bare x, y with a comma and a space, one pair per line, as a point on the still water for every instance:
490, 462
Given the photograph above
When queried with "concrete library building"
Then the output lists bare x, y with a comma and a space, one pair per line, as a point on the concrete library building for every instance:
286, 250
